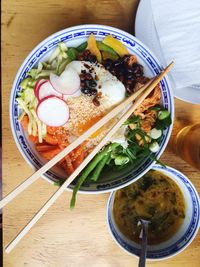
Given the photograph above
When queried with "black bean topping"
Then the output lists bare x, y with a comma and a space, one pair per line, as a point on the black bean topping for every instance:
117, 63
88, 84
86, 66
96, 102
126, 58
129, 70
129, 82
88, 77
126, 73
85, 90
92, 83
130, 76
93, 91
87, 56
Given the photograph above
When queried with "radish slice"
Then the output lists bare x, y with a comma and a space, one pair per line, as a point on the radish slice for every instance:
46, 89
53, 111
67, 83
77, 93
37, 85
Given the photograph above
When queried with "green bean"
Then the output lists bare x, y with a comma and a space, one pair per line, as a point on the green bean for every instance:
89, 168
99, 168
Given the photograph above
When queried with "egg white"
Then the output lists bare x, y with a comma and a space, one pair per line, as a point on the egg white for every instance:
111, 89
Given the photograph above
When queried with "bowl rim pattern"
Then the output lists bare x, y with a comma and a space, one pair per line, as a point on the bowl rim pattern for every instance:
50, 42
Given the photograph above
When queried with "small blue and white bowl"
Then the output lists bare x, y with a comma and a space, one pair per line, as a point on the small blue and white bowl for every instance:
183, 236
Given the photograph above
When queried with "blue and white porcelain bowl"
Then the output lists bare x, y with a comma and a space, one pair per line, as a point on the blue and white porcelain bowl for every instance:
73, 37
183, 236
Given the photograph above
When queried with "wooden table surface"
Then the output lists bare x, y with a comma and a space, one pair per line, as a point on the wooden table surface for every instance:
64, 238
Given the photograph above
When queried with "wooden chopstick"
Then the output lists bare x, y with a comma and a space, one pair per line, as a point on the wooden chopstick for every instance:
48, 204
20, 188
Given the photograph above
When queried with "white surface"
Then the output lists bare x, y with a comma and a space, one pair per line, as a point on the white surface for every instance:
146, 31
175, 21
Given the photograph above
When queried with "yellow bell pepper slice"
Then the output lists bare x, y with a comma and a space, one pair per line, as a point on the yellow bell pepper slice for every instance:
119, 48
92, 46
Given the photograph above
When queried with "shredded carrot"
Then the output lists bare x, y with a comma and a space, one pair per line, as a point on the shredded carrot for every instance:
51, 139
67, 165
33, 139
52, 130
148, 121
152, 100
148, 116
79, 155
41, 147
24, 122
49, 154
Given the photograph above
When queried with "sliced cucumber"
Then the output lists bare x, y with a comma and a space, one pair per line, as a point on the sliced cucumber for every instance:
163, 114
155, 133
121, 160
154, 147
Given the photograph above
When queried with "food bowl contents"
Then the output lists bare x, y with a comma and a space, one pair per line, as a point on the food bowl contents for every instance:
64, 96
156, 198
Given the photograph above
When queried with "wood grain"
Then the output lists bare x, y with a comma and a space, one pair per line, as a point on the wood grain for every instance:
64, 238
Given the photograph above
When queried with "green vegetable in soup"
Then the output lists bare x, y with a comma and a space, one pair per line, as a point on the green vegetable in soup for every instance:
154, 197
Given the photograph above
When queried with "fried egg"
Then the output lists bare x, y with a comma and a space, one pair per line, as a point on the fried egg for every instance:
111, 90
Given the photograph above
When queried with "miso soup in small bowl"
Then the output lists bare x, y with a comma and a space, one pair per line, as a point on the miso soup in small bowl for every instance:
168, 200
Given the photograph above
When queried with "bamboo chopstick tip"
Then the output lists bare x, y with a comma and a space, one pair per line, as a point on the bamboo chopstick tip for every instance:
171, 64
8, 249
168, 68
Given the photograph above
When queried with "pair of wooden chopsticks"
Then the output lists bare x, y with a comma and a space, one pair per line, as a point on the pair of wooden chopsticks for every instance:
139, 97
